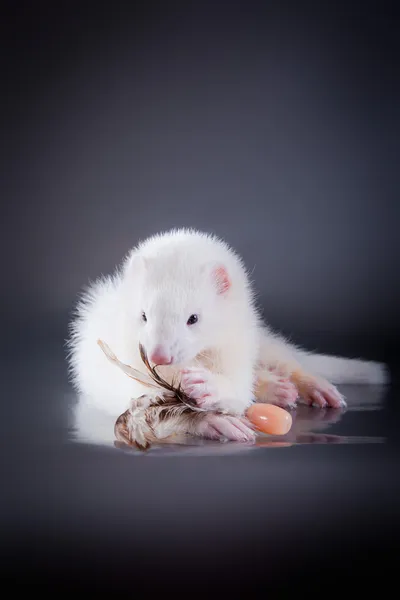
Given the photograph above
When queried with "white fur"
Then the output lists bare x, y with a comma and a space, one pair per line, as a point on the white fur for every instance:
274, 349
169, 277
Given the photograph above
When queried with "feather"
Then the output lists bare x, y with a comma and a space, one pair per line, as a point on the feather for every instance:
138, 425
128, 370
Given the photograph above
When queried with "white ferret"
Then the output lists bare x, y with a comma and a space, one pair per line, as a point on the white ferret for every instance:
187, 298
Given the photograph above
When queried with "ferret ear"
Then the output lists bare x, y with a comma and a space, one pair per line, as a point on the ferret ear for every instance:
221, 279
135, 265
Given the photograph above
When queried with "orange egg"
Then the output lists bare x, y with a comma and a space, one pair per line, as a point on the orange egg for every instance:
269, 418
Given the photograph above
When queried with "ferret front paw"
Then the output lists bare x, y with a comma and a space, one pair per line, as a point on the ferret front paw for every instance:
225, 427
200, 386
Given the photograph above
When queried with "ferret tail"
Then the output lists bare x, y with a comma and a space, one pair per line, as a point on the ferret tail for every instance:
339, 370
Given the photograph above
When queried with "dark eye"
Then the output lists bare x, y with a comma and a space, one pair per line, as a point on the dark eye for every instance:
192, 319
144, 318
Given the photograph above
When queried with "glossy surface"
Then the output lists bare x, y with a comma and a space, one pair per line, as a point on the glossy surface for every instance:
270, 419
190, 516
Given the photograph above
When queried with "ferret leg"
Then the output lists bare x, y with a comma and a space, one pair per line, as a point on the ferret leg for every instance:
285, 384
280, 374
206, 425
224, 427
215, 391
275, 388
316, 390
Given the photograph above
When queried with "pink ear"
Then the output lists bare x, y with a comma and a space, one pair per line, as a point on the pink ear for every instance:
222, 279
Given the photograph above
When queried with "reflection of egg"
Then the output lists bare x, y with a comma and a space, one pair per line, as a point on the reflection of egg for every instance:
269, 418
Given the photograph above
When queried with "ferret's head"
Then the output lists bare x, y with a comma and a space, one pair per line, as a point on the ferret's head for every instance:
180, 306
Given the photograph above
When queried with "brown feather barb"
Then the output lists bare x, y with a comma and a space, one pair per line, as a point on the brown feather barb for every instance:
174, 389
140, 424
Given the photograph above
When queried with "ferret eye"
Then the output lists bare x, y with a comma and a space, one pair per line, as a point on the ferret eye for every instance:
192, 319
144, 318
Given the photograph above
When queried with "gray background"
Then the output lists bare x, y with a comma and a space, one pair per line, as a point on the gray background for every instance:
273, 126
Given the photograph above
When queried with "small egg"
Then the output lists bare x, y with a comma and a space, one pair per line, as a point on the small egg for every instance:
269, 418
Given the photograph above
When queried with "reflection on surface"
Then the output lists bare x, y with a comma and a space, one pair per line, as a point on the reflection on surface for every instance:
310, 426
307, 425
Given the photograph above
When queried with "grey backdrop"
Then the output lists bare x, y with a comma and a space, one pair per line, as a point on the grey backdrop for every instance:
273, 125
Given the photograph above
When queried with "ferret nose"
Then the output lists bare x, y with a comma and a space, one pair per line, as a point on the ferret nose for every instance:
160, 356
